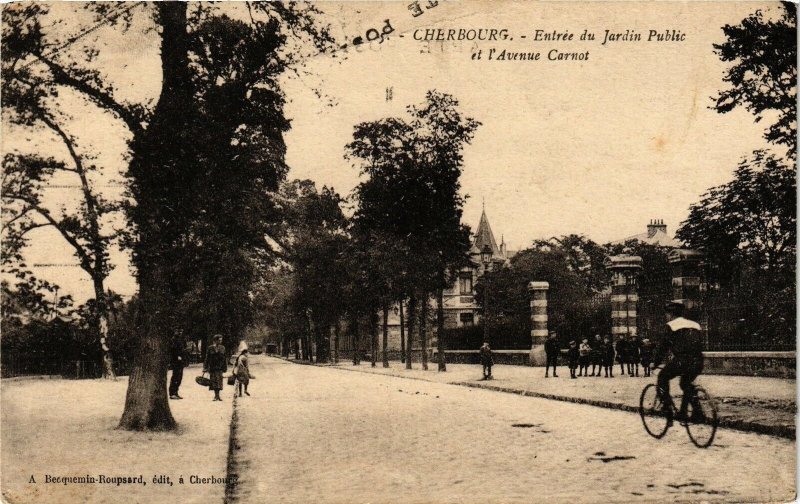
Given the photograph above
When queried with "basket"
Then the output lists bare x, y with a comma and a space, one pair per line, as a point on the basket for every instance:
232, 380
203, 381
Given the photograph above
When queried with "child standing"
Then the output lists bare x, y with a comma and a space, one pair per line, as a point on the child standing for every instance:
622, 354
646, 354
584, 351
596, 355
572, 357
608, 357
242, 372
633, 356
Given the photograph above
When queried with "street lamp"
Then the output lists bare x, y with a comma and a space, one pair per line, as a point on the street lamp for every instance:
486, 257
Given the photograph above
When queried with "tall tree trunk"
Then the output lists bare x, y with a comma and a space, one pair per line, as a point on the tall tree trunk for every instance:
402, 334
385, 350
440, 329
373, 337
412, 314
102, 329
159, 150
336, 330
146, 403
356, 342
423, 327
321, 340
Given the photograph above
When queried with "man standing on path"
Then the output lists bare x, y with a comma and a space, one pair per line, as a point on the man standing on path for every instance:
179, 359
486, 360
551, 351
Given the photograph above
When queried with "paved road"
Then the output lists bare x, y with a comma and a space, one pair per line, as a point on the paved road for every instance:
311, 434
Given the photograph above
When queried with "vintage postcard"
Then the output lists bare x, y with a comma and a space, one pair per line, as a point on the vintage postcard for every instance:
416, 251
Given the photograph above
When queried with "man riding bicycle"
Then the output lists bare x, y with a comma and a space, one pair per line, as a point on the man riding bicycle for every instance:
684, 341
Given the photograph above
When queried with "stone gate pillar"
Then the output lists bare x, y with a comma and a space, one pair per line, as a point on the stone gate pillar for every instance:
687, 284
538, 296
686, 272
624, 294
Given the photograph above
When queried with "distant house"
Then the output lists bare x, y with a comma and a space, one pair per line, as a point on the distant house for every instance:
656, 235
460, 308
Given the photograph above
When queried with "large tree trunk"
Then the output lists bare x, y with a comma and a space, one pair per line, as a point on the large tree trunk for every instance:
440, 329
385, 350
146, 403
402, 334
412, 314
423, 327
157, 154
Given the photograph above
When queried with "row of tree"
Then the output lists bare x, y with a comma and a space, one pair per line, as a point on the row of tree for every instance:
400, 246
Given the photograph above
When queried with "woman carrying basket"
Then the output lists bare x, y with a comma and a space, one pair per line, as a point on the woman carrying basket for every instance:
215, 365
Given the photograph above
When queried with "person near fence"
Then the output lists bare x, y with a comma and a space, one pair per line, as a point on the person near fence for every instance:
179, 359
646, 354
584, 351
684, 342
241, 370
608, 356
215, 365
573, 355
622, 354
551, 351
596, 355
486, 360
633, 356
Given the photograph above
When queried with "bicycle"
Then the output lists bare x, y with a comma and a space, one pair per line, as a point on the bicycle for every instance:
701, 426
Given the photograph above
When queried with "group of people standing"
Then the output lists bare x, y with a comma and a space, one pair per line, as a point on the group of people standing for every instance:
600, 354
215, 364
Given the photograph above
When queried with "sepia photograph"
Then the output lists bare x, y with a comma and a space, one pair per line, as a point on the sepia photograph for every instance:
407, 251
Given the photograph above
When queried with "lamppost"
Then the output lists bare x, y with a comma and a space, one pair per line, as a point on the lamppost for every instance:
486, 257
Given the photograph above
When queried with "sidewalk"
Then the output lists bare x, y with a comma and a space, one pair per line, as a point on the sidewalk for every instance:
67, 429
755, 404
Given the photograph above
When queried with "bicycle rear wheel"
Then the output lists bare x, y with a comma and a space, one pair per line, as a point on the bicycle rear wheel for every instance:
702, 419
651, 409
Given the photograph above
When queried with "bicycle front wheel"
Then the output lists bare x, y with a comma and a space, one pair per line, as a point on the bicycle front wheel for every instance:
702, 419
651, 409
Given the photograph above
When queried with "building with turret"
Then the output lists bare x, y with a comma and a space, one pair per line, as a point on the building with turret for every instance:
460, 308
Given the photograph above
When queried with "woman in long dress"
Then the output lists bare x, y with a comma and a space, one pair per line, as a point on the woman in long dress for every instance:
216, 364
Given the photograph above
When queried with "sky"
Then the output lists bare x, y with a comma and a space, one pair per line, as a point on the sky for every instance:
597, 147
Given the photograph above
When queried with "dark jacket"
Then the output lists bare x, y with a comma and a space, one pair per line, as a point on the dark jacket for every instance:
622, 350
215, 359
598, 350
633, 351
551, 347
572, 355
179, 357
486, 356
683, 340
646, 353
608, 356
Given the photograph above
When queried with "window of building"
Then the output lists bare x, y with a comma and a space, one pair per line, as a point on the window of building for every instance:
467, 319
465, 284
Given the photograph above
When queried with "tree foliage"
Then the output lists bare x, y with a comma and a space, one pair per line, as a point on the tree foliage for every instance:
763, 74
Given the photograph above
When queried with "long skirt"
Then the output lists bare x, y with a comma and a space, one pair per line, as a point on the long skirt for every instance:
216, 380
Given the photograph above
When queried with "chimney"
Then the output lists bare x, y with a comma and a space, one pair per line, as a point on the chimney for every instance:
655, 226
